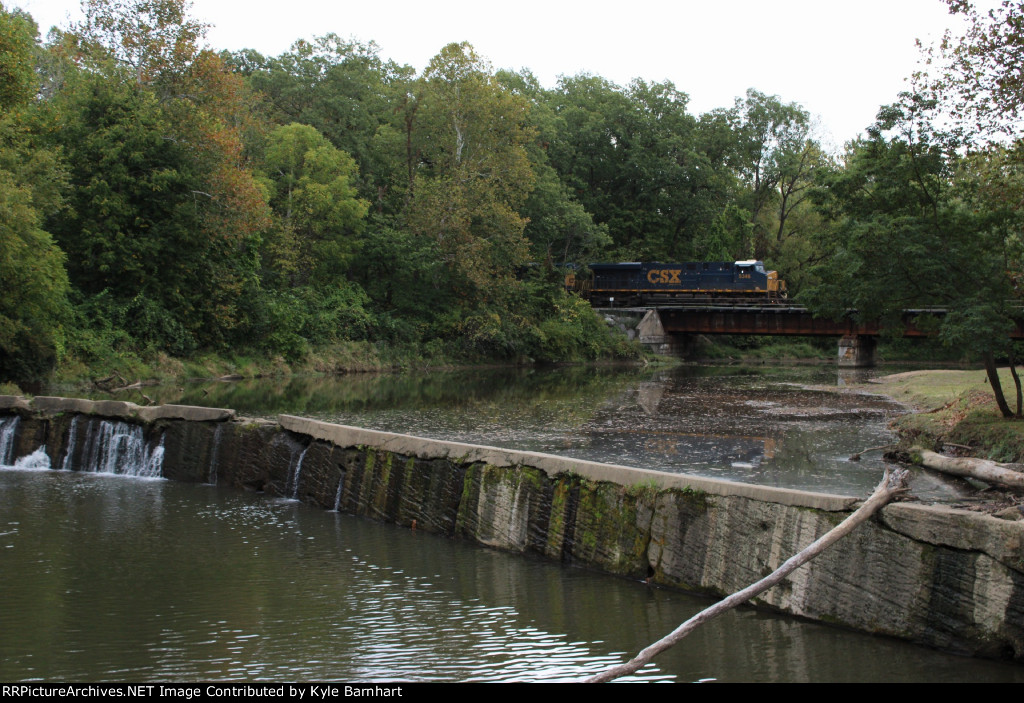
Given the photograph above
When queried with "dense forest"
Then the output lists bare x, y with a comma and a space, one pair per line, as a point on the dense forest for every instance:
160, 198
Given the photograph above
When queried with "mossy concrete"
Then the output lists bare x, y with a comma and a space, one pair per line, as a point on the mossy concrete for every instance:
930, 574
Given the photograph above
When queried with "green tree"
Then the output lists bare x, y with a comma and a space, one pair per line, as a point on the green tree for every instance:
776, 159
33, 307
343, 89
17, 65
314, 197
977, 75
470, 169
910, 235
559, 228
164, 215
637, 161
155, 40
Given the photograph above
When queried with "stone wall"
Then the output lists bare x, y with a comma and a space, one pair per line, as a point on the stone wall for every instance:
930, 574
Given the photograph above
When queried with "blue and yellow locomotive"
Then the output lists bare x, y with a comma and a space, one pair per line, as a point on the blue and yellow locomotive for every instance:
637, 283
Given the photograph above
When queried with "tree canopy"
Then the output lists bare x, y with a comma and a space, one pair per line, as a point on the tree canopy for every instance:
159, 197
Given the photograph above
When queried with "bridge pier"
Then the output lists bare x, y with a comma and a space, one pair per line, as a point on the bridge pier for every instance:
645, 326
856, 351
652, 335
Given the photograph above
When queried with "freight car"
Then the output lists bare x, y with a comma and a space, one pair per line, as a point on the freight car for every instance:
636, 283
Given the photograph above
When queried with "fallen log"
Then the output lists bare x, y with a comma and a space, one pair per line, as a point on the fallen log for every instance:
134, 386
856, 457
893, 484
980, 469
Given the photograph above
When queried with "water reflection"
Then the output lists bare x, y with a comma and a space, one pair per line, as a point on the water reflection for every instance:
790, 427
108, 578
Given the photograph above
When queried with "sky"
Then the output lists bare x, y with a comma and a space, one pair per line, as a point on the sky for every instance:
839, 59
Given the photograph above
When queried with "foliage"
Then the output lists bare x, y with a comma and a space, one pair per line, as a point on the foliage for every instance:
471, 169
318, 212
17, 43
635, 159
978, 74
911, 233
33, 307
163, 214
155, 40
345, 91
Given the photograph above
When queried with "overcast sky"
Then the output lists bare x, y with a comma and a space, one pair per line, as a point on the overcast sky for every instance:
839, 59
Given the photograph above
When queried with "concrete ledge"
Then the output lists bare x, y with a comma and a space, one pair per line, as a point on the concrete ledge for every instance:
116, 409
191, 413
552, 465
14, 402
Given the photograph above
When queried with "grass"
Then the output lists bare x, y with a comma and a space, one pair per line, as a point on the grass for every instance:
929, 389
956, 407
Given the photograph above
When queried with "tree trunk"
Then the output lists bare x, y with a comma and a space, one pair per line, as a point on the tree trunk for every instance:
892, 485
1016, 381
997, 388
980, 469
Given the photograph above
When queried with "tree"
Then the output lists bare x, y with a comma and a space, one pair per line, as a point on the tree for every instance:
155, 40
315, 200
910, 234
776, 159
979, 76
164, 217
343, 89
470, 169
559, 228
633, 158
17, 65
978, 82
33, 307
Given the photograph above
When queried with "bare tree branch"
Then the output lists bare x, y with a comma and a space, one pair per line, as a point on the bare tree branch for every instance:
892, 484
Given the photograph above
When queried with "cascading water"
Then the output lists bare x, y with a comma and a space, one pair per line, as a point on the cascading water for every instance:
37, 460
215, 455
114, 447
67, 465
337, 497
8, 427
293, 489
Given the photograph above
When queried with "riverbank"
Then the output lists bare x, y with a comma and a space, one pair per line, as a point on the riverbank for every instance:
955, 408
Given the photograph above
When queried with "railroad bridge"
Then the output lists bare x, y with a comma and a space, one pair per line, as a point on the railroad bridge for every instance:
666, 328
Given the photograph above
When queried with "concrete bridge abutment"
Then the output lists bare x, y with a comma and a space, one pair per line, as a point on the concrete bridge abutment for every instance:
857, 351
645, 326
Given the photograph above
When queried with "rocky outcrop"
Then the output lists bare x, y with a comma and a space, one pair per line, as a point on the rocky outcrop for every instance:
930, 574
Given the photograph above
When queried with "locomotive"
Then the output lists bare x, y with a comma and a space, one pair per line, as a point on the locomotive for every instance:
637, 283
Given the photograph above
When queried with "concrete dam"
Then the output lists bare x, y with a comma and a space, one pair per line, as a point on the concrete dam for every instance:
933, 575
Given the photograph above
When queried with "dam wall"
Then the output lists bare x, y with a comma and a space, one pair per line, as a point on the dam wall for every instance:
934, 575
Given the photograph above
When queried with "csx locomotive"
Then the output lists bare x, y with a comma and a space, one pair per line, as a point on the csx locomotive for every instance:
636, 283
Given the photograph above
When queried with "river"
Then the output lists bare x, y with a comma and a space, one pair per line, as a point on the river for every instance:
107, 578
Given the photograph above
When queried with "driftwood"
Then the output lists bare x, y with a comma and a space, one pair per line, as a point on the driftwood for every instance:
134, 386
893, 483
104, 383
980, 469
856, 457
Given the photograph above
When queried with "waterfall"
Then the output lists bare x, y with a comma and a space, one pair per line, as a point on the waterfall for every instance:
68, 463
8, 428
215, 454
337, 498
293, 491
38, 459
115, 447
